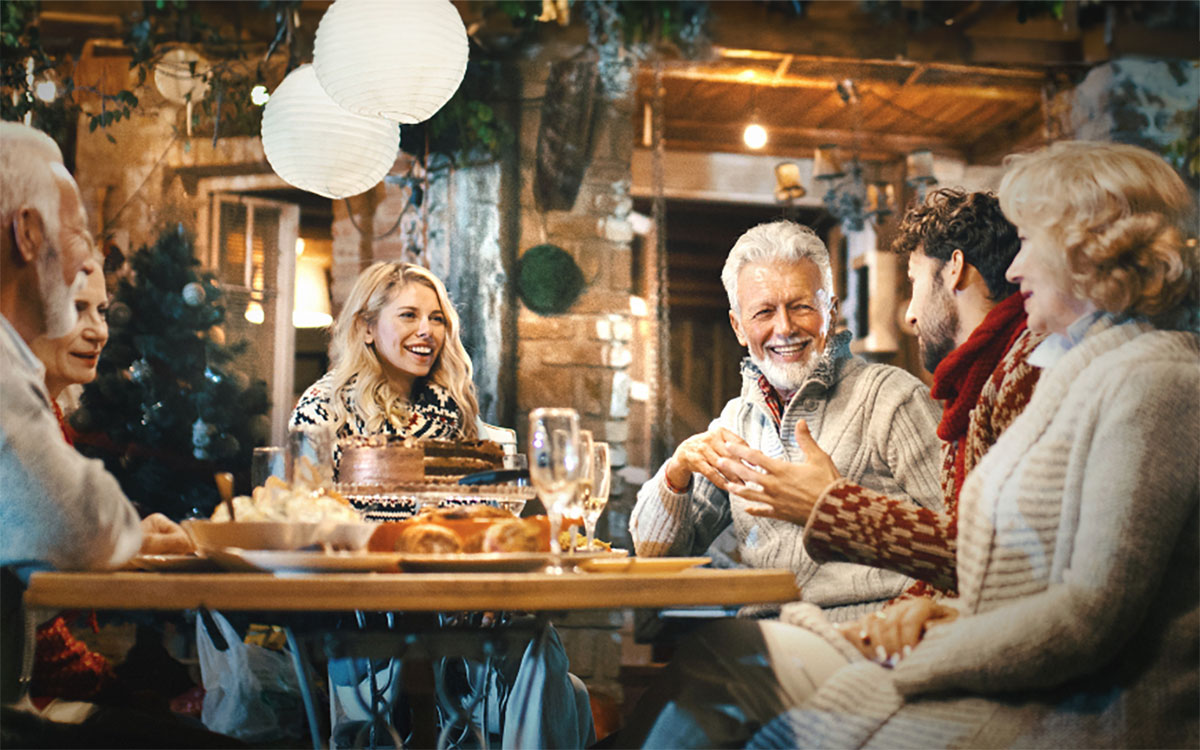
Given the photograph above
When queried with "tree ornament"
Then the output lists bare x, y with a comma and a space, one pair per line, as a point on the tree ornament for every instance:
151, 413
119, 314
216, 334
202, 433
140, 371
194, 294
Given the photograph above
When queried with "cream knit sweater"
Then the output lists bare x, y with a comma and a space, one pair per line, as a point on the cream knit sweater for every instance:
1078, 569
877, 423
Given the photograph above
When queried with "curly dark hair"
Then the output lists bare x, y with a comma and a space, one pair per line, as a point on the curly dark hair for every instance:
953, 219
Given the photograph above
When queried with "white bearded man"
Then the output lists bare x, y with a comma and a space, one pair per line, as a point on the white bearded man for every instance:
800, 386
57, 508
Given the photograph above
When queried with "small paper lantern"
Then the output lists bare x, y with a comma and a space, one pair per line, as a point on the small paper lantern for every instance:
317, 146
399, 60
180, 73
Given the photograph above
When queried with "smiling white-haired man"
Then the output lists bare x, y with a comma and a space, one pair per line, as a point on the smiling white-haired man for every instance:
800, 386
58, 509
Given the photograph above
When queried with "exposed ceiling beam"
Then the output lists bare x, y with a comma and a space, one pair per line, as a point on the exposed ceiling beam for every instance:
1028, 74
892, 144
805, 82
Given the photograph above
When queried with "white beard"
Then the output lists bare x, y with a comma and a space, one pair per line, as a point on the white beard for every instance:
788, 376
58, 299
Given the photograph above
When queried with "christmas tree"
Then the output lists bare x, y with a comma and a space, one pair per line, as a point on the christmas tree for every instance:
168, 408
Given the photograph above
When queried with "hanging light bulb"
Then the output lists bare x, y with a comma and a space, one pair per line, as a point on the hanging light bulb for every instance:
755, 135
317, 146
259, 95
312, 309
399, 60
254, 312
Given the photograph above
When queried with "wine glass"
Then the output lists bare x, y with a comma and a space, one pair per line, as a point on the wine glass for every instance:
593, 506
554, 466
583, 489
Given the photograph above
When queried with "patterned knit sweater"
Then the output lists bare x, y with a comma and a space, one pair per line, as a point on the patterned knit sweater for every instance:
876, 421
1079, 574
851, 523
432, 413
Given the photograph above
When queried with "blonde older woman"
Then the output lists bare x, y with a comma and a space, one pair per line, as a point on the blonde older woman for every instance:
398, 364
1078, 536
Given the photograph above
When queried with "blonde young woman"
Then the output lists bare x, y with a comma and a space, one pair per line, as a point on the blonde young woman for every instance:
1078, 537
398, 364
399, 368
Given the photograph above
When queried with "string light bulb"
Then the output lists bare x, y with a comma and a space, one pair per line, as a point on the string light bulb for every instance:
755, 136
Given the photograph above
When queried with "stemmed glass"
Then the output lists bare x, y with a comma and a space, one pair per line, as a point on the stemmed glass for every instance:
555, 466
583, 490
593, 505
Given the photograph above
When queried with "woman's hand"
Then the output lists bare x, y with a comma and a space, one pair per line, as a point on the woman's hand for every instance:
787, 490
162, 536
891, 634
700, 454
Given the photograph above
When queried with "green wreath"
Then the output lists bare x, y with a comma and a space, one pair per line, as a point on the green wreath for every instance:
548, 279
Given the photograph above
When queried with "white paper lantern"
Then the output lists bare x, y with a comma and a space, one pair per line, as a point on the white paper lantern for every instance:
180, 73
317, 146
396, 59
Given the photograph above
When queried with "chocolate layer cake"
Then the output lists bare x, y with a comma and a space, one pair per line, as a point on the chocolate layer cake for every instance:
380, 463
456, 458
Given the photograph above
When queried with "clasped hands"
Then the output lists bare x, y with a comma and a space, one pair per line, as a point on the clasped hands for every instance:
785, 490
891, 634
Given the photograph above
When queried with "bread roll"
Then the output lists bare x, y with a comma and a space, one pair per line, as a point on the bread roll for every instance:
428, 538
512, 536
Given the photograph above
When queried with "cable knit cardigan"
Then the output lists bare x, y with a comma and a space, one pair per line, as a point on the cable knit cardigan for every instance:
1079, 576
877, 423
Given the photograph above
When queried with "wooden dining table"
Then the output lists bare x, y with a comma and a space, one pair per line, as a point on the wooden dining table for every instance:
407, 592
540, 593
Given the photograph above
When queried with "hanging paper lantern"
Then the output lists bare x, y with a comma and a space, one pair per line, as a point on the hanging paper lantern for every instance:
182, 75
399, 60
317, 146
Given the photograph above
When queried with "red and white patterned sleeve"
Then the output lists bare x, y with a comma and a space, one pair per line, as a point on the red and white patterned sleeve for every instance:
851, 523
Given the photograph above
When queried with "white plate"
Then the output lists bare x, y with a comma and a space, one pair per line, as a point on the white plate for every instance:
280, 561
641, 564
479, 562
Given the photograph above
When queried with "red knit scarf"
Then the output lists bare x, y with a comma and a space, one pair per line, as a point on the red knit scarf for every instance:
961, 376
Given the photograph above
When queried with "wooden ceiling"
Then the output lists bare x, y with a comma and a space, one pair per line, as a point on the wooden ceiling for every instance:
964, 78
974, 113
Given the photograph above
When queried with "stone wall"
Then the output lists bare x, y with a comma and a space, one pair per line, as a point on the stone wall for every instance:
1130, 100
582, 357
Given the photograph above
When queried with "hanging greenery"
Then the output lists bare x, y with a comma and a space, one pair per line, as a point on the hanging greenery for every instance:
155, 28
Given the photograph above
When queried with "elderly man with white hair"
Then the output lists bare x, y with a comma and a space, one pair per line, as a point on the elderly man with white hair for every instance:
57, 508
800, 386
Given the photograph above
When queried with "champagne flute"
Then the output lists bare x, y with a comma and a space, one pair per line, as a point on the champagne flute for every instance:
554, 466
584, 488
593, 506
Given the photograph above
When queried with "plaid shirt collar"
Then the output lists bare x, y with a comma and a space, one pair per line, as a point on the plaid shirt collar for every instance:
822, 378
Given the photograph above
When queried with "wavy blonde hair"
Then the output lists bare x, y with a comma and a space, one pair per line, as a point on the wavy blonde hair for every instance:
355, 364
1122, 216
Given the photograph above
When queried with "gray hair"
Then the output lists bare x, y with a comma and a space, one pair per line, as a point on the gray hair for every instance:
26, 179
778, 242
